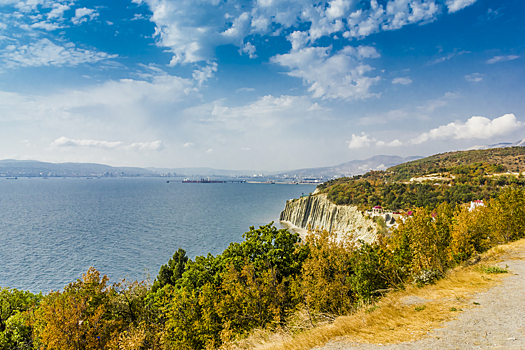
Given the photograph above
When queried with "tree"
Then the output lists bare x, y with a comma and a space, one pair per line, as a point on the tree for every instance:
14, 308
325, 285
509, 214
172, 272
77, 318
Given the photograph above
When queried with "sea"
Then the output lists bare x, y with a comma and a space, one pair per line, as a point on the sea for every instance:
52, 230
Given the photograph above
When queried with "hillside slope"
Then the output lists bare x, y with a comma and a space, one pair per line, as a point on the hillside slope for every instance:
454, 177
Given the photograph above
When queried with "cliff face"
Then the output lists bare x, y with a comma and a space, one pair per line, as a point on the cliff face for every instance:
318, 212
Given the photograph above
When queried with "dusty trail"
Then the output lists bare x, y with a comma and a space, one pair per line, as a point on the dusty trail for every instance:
498, 322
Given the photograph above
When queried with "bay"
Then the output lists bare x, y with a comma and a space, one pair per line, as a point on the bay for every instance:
53, 230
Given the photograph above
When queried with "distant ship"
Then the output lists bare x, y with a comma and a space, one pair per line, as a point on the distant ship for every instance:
202, 181
12, 178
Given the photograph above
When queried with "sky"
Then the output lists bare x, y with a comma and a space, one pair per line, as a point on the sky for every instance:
257, 84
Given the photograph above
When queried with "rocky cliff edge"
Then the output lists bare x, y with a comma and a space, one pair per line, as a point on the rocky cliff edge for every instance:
316, 211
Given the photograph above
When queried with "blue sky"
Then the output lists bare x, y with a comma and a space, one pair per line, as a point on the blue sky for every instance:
262, 84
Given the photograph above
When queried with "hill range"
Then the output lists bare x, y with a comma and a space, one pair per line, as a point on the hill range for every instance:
33, 168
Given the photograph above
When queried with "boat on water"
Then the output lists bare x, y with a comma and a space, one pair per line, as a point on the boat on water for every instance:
12, 178
202, 181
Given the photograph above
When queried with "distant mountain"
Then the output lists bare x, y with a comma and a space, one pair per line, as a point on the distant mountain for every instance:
11, 167
354, 167
520, 143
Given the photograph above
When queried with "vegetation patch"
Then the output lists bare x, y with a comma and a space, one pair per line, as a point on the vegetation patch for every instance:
494, 269
454, 178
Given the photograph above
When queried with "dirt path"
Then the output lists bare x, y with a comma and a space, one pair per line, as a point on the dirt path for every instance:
498, 322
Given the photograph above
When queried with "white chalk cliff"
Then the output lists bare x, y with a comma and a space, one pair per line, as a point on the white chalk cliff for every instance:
316, 211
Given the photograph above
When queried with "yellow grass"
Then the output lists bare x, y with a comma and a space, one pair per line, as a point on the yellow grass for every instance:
395, 318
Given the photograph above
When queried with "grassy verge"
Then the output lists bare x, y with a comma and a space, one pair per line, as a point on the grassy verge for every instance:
400, 316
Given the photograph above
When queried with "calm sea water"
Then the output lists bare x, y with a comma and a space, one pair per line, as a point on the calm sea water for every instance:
52, 231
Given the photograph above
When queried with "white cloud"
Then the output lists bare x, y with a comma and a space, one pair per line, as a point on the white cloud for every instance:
66, 142
58, 11
146, 146
497, 59
249, 49
108, 145
334, 76
474, 77
83, 15
203, 74
394, 15
402, 81
456, 5
209, 150
192, 29
446, 58
188, 144
395, 143
46, 25
266, 113
474, 128
245, 89
138, 16
46, 53
360, 141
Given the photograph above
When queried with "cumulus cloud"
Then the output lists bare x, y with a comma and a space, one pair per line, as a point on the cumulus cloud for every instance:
360, 141
249, 49
474, 128
474, 77
394, 15
497, 59
188, 144
203, 74
456, 5
67, 142
192, 29
146, 146
58, 11
334, 76
108, 145
46, 53
395, 143
402, 81
83, 15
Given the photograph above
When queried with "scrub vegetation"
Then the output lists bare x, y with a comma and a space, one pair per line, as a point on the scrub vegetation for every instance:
454, 178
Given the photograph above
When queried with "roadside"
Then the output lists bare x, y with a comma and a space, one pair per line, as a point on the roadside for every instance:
494, 319
468, 309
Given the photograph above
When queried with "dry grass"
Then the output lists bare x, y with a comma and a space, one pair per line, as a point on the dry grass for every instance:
400, 316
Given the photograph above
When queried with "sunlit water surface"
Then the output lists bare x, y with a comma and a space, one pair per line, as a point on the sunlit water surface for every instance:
52, 231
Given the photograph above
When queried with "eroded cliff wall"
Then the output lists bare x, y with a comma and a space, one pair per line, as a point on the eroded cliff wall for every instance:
317, 211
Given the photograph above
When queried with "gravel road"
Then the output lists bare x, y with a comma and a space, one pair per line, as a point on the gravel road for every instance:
498, 322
